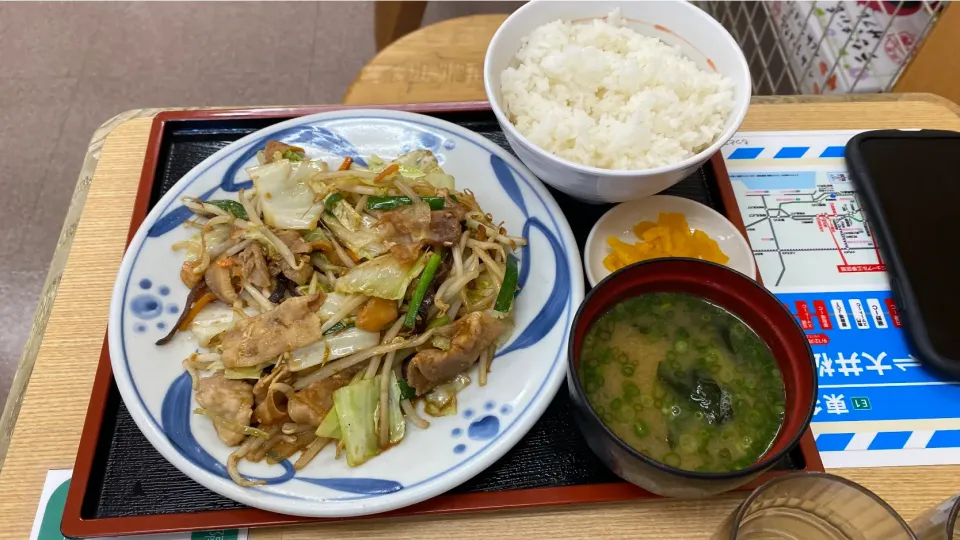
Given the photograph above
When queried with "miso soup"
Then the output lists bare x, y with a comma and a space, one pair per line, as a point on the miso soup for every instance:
683, 381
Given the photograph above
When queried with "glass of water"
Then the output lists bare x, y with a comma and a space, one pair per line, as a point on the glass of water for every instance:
942, 522
813, 506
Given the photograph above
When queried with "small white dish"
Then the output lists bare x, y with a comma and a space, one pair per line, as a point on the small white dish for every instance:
619, 222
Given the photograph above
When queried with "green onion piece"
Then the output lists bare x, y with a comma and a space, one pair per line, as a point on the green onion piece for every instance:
630, 390
337, 328
425, 278
393, 202
233, 207
332, 200
689, 444
292, 155
406, 391
509, 286
442, 320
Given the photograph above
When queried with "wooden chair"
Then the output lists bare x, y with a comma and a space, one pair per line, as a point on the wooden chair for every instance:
393, 20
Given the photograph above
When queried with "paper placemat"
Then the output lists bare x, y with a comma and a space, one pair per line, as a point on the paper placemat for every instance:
46, 525
877, 406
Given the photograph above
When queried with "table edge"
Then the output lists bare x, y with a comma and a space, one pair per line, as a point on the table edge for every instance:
48, 291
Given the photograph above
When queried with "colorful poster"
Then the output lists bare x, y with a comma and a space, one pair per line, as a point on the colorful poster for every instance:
877, 404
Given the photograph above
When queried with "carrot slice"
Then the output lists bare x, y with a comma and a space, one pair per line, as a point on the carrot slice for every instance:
197, 306
392, 168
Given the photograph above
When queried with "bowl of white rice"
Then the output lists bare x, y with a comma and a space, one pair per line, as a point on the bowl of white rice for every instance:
614, 101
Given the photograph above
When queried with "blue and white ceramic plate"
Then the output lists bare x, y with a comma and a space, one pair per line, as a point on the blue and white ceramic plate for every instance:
525, 376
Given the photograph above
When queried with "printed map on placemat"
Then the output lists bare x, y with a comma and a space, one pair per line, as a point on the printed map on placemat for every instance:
877, 406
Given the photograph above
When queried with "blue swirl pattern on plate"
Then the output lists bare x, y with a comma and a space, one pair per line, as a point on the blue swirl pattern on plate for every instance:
559, 296
551, 310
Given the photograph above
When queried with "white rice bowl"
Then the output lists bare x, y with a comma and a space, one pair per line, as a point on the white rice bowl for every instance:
601, 94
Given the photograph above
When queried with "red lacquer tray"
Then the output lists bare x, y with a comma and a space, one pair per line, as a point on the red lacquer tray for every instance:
112, 493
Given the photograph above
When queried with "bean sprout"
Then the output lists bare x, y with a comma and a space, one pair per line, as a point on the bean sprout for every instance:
344, 258
407, 190
258, 297
348, 307
411, 413
361, 204
492, 267
387, 338
252, 214
384, 396
310, 452
337, 366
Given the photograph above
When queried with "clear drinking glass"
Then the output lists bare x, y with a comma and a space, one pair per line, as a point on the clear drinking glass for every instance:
813, 506
942, 522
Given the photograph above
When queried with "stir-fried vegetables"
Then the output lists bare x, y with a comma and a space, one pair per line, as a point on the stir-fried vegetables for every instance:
396, 424
232, 207
335, 345
333, 300
383, 277
356, 407
509, 286
363, 242
395, 201
377, 313
330, 427
284, 196
425, 279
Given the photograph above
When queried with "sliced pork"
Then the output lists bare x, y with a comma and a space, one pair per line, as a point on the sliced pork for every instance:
471, 335
228, 399
257, 340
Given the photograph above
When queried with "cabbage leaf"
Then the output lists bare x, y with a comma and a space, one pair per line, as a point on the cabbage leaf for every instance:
442, 400
249, 372
349, 217
383, 277
398, 425
285, 198
356, 407
210, 323
364, 242
330, 426
332, 347
332, 304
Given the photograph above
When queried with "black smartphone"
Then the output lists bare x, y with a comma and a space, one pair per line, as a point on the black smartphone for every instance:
908, 182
